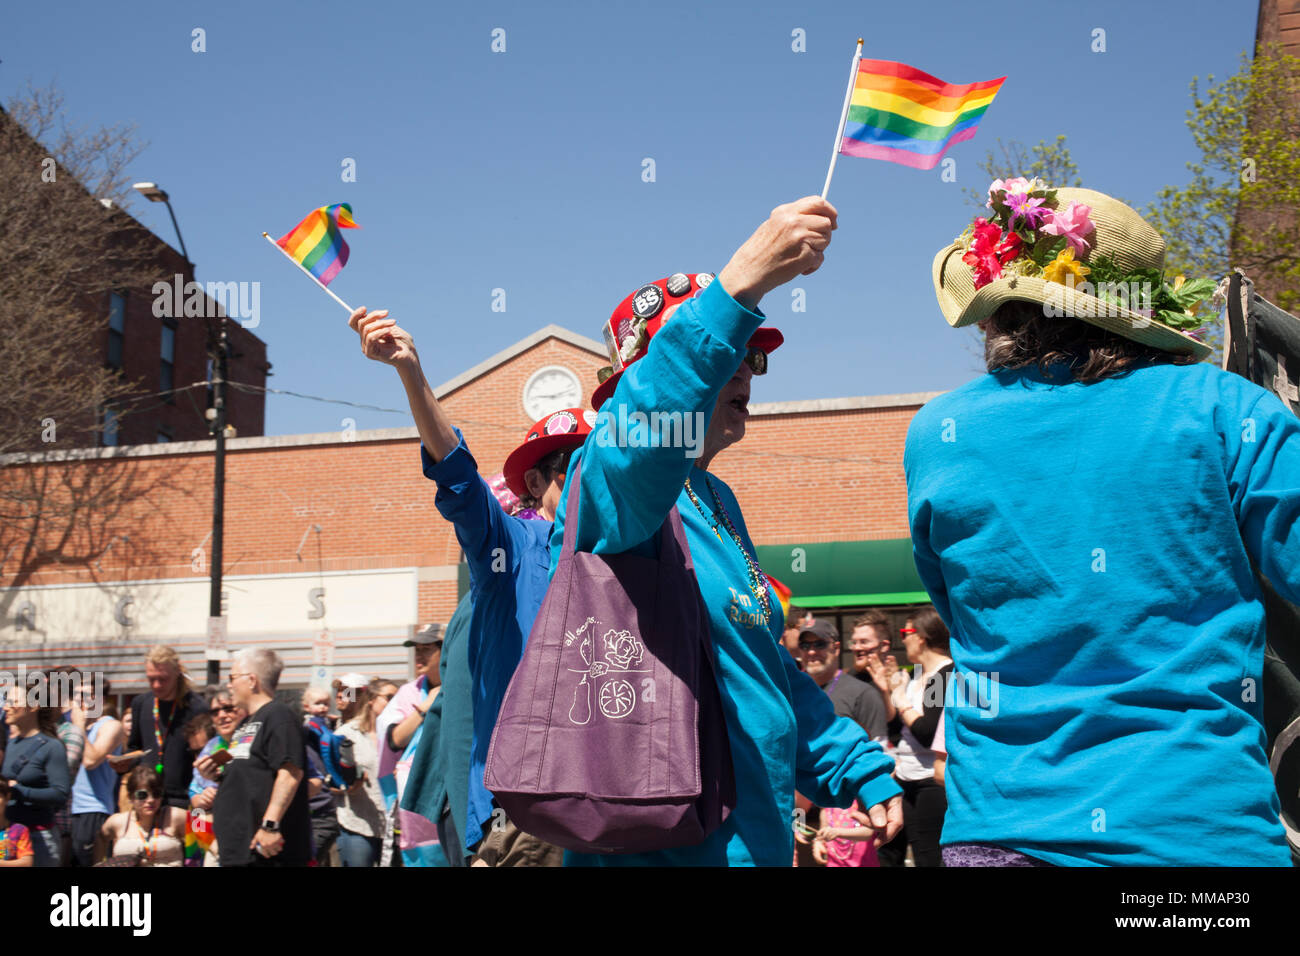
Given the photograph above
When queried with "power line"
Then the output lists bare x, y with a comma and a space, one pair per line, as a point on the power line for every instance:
315, 398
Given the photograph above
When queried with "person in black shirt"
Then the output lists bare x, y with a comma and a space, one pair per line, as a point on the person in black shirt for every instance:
261, 815
174, 703
819, 643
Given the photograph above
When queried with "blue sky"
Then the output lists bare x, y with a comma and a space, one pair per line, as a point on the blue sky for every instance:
522, 170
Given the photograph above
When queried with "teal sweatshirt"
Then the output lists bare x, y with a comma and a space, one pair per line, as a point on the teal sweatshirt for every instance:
1090, 548
782, 727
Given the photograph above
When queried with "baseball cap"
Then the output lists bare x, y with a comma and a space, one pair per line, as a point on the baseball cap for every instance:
823, 629
429, 634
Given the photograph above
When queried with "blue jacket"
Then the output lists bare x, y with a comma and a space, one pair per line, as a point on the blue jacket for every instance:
782, 727
508, 563
1090, 548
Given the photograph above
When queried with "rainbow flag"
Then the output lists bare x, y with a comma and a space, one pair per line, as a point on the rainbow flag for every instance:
198, 837
316, 243
782, 594
902, 115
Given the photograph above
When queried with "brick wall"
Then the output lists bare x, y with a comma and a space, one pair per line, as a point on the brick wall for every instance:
799, 475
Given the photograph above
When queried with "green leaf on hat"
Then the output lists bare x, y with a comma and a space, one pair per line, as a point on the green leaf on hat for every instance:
1046, 249
1193, 292
1178, 320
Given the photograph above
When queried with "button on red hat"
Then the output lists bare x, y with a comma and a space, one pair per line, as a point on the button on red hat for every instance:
567, 428
647, 310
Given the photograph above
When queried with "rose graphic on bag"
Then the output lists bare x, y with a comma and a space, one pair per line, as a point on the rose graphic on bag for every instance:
622, 650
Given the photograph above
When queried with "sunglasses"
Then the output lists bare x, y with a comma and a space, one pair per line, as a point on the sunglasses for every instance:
756, 359
142, 795
816, 645
906, 630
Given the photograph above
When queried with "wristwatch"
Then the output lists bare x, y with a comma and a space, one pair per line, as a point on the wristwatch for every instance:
271, 826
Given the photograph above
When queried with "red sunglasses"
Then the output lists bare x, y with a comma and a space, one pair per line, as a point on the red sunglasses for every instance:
907, 630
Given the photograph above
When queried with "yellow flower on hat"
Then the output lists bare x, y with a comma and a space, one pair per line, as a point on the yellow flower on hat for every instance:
1065, 265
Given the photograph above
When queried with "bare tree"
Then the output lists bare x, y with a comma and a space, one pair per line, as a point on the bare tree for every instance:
1050, 162
62, 251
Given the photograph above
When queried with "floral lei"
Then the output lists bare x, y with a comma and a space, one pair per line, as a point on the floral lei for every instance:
1030, 234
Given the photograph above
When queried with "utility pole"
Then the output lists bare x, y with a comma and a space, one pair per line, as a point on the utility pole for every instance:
217, 414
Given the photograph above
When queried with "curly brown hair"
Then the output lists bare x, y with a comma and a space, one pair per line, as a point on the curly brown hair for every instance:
1019, 334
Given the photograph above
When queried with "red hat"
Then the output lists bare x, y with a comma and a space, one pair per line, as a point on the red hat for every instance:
643, 313
567, 428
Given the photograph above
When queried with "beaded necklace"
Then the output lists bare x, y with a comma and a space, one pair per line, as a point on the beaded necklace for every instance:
159, 734
150, 851
757, 581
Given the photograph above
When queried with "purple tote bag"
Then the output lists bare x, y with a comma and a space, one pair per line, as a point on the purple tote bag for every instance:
611, 737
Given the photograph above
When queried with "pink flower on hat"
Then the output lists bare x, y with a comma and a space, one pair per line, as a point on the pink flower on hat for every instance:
1073, 224
1017, 185
1031, 212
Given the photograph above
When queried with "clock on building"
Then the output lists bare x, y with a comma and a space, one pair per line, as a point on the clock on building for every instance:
550, 388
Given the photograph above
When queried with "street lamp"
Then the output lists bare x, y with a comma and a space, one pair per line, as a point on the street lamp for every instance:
153, 193
220, 431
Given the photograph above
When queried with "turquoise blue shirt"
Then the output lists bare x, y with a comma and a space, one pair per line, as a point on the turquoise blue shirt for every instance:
1091, 546
782, 727
508, 564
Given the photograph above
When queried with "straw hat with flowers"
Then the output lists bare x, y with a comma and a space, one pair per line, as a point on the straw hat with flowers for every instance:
1082, 254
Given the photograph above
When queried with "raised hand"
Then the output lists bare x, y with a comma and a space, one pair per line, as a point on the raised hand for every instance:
381, 338
879, 674
791, 242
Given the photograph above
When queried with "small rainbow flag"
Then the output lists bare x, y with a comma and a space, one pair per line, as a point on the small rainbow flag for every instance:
899, 114
782, 594
198, 836
316, 243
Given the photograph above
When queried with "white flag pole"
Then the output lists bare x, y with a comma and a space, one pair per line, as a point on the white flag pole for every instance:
844, 115
324, 288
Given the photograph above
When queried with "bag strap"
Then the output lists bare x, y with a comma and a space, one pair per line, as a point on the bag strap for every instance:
571, 509
672, 523
1236, 354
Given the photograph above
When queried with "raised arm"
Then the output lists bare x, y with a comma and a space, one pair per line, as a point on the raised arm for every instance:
383, 341
463, 497
109, 739
628, 487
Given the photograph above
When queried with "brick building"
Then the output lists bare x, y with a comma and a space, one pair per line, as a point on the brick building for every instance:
158, 342
1277, 27
338, 532
160, 353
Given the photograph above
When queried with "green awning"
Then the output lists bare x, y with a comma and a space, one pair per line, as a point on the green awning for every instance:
846, 573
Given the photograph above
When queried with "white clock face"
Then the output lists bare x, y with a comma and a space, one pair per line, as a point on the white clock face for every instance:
549, 389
